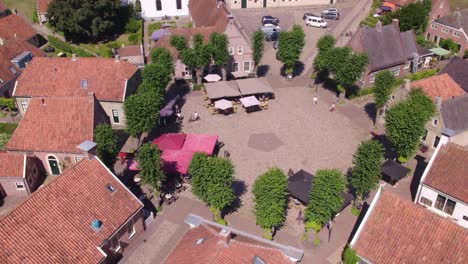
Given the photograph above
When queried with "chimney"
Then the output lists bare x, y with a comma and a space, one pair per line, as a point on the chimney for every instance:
90, 97
407, 85
2, 42
117, 58
378, 26
88, 148
438, 102
14, 35
74, 58
43, 102
396, 23
225, 236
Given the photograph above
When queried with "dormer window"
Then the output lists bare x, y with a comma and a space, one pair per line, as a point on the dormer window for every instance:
84, 83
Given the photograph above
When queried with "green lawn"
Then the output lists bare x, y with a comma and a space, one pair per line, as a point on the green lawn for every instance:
7, 128
25, 7
458, 3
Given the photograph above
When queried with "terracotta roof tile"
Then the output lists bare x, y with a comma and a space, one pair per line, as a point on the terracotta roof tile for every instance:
14, 24
439, 85
206, 13
130, 51
60, 125
449, 172
54, 224
214, 250
11, 165
42, 5
401, 2
399, 231
9, 50
62, 77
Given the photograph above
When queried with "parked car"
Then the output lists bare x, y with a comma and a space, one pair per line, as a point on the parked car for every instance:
271, 33
330, 10
270, 20
331, 15
316, 22
308, 15
271, 25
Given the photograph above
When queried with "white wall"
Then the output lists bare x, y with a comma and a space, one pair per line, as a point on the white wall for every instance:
460, 210
169, 8
235, 4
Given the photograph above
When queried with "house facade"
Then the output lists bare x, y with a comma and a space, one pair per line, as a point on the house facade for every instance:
388, 49
20, 174
442, 189
54, 128
111, 81
236, 4
87, 203
163, 8
15, 54
453, 26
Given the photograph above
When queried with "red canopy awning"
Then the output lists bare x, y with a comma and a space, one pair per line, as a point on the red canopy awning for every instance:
170, 141
200, 143
176, 161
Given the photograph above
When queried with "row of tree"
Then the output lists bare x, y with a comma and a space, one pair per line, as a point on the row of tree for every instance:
290, 45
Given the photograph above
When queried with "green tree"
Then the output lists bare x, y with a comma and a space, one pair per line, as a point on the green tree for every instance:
142, 112
162, 56
384, 81
258, 45
4, 138
351, 69
212, 179
412, 16
270, 197
349, 255
178, 42
85, 20
290, 45
197, 57
156, 76
137, 6
326, 43
325, 196
405, 122
367, 162
219, 51
106, 141
150, 165
448, 44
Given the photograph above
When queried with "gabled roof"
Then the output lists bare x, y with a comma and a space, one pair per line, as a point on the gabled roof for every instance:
398, 231
57, 124
130, 51
214, 249
54, 224
449, 172
457, 19
439, 86
456, 68
63, 77
9, 50
11, 165
454, 113
42, 6
209, 13
14, 26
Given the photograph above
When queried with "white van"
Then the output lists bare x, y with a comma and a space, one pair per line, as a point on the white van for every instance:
313, 21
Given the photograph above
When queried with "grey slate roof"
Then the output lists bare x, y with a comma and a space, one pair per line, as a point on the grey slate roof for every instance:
455, 113
457, 19
409, 44
457, 68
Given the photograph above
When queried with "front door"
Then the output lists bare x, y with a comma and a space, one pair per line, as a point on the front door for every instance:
244, 4
54, 166
264, 3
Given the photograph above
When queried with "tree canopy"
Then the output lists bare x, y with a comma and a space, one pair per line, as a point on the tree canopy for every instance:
325, 196
219, 50
270, 197
290, 45
384, 81
162, 56
178, 42
258, 45
85, 20
142, 112
197, 57
326, 43
212, 179
366, 170
412, 16
405, 122
106, 141
150, 165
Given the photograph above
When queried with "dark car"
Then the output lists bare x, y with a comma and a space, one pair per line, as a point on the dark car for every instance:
49, 49
272, 36
331, 15
270, 20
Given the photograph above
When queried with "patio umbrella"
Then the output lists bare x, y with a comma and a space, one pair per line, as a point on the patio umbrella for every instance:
157, 34
212, 78
223, 104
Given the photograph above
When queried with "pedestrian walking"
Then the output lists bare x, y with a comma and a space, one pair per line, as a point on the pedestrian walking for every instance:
315, 99
332, 108
299, 216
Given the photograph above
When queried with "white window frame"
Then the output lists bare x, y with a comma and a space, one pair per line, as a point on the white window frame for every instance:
232, 66
113, 116
231, 50
435, 122
186, 72
24, 105
240, 50
407, 65
133, 230
434, 26
456, 34
118, 243
20, 188
445, 30
249, 63
433, 142
78, 158
372, 77
396, 71
50, 168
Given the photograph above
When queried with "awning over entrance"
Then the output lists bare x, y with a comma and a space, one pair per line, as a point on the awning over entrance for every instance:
440, 51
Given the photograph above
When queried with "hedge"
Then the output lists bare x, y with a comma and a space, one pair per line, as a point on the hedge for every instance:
57, 43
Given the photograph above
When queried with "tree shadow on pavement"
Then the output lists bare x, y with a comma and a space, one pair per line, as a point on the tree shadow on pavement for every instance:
297, 71
262, 70
364, 209
418, 172
371, 111
240, 188
390, 152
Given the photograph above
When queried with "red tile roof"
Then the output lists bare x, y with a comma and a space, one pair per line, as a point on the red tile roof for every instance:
401, 2
214, 250
130, 51
439, 85
398, 231
11, 165
58, 125
14, 25
54, 224
206, 13
42, 5
62, 77
9, 50
449, 171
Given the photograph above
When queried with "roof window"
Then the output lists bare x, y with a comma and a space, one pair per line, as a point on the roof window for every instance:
257, 260
84, 83
110, 188
199, 241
